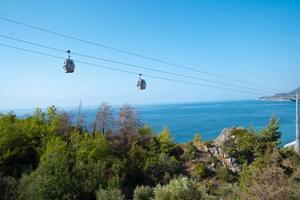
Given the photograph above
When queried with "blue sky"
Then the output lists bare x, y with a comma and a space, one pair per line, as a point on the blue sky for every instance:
255, 41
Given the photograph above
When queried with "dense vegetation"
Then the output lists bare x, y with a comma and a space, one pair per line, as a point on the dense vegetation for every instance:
45, 156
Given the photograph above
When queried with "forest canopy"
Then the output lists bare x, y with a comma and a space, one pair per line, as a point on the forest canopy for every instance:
46, 156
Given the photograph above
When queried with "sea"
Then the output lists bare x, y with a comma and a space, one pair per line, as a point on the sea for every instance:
206, 118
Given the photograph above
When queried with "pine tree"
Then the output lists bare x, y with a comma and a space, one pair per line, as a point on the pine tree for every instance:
271, 133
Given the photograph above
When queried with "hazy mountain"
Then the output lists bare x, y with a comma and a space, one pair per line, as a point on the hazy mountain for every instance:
282, 96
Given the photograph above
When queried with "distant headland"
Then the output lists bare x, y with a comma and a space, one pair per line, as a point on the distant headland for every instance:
281, 96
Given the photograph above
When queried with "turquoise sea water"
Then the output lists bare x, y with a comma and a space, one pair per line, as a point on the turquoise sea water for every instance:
184, 120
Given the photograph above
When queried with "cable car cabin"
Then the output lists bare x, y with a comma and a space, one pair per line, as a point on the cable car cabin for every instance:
69, 66
141, 84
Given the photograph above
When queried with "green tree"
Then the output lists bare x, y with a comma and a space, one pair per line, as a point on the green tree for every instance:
166, 141
92, 162
272, 133
58, 122
242, 146
53, 177
17, 149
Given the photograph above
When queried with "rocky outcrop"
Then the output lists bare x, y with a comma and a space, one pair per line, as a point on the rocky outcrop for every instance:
215, 149
224, 136
207, 150
218, 152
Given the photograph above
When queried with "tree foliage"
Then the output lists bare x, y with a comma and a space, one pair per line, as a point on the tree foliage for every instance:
46, 156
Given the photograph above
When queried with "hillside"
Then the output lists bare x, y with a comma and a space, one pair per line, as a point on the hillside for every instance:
44, 156
281, 96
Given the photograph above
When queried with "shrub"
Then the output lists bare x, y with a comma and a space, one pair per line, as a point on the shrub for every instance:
269, 182
177, 189
200, 171
161, 169
143, 193
197, 137
189, 151
226, 175
109, 194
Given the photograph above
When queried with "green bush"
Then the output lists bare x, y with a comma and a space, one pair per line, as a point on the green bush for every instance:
161, 168
200, 171
179, 189
143, 193
109, 194
197, 137
226, 175
189, 151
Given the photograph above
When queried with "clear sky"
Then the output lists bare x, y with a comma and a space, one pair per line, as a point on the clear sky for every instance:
251, 40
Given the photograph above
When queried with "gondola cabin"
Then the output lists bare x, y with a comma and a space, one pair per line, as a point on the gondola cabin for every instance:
141, 84
69, 65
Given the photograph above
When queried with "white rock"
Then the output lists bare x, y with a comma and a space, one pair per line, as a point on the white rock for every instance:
292, 144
